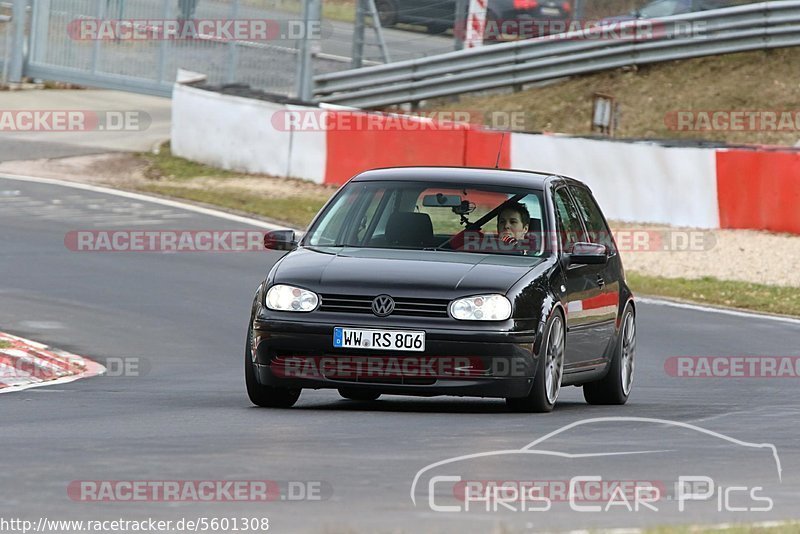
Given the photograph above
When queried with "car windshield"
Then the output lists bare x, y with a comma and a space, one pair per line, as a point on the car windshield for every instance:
429, 216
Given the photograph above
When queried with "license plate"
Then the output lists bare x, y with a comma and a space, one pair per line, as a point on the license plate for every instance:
552, 11
360, 338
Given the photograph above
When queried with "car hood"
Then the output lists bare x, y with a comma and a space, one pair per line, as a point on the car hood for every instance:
418, 273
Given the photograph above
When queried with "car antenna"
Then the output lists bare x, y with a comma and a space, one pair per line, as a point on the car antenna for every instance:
500, 151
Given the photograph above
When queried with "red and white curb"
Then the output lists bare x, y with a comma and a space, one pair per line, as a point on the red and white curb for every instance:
26, 364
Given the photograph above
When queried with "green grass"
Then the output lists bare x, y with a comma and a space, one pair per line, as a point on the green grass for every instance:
707, 290
165, 165
173, 176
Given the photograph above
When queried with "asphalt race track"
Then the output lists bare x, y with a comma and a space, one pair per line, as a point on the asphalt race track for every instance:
185, 415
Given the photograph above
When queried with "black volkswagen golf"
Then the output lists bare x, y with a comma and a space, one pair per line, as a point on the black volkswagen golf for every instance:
446, 281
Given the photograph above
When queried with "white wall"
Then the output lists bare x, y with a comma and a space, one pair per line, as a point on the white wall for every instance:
239, 134
309, 152
633, 182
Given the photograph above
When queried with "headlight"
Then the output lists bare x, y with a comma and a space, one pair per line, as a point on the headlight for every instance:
481, 308
288, 298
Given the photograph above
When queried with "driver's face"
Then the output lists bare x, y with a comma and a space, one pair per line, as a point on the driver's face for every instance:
509, 222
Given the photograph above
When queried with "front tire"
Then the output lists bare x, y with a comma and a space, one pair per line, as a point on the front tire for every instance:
550, 371
358, 394
261, 395
615, 388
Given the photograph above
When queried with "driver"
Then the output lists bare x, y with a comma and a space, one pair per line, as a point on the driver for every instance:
512, 229
512, 224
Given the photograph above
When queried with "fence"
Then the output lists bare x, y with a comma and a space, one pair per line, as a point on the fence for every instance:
53, 52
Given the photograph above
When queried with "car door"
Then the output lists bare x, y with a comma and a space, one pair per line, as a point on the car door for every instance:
581, 289
606, 305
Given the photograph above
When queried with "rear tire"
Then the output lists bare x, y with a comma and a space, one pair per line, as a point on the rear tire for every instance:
387, 12
615, 387
549, 372
358, 394
260, 395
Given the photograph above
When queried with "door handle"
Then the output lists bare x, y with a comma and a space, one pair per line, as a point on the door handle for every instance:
600, 280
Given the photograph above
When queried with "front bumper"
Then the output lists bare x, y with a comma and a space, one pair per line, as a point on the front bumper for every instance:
457, 360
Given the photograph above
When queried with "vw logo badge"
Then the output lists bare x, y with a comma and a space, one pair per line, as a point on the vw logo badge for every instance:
383, 305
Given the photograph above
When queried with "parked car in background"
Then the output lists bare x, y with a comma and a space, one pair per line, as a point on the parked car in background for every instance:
439, 17
667, 8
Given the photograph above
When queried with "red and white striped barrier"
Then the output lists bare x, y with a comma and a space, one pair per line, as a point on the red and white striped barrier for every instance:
634, 181
25, 364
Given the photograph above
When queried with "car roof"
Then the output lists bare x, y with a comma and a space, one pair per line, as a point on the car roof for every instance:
459, 175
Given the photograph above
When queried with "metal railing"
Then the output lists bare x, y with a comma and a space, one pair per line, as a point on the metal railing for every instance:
743, 28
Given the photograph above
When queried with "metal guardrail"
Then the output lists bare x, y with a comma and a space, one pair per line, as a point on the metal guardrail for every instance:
742, 28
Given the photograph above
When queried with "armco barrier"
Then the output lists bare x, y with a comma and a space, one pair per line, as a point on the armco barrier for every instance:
635, 182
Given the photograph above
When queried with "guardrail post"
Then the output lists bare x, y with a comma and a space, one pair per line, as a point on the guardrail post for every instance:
100, 14
17, 59
40, 23
358, 36
312, 11
578, 10
162, 46
233, 50
461, 19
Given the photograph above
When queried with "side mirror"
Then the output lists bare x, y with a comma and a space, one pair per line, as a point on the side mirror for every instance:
280, 240
588, 254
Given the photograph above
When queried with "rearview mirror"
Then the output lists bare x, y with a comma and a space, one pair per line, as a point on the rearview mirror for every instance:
440, 200
280, 240
587, 254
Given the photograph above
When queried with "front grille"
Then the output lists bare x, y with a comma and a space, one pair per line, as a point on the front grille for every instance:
413, 307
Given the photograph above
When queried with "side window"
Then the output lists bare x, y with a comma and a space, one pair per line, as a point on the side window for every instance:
569, 223
592, 217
